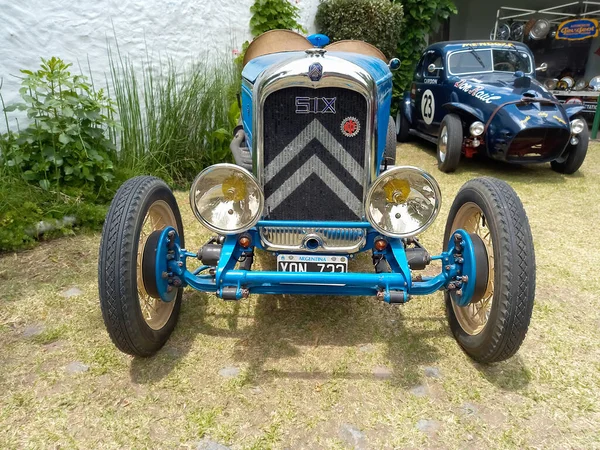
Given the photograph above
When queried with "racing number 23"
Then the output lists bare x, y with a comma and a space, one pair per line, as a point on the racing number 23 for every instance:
428, 107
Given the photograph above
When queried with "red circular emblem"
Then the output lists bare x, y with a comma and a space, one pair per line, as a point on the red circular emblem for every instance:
350, 126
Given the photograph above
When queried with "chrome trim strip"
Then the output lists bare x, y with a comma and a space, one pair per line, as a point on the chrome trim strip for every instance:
331, 240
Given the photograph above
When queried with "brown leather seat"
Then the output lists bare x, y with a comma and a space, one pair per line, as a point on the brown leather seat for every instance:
354, 46
276, 41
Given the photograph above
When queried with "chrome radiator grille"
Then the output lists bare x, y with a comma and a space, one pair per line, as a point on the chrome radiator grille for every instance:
335, 240
314, 159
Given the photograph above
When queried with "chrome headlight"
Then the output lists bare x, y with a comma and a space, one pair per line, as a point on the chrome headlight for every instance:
577, 126
403, 202
227, 199
477, 128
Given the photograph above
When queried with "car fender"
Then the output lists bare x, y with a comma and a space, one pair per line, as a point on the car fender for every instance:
572, 110
464, 111
406, 106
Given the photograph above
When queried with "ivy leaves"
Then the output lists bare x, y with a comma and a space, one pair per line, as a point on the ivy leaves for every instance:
420, 19
270, 15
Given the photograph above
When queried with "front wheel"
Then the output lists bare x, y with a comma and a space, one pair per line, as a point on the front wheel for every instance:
575, 154
137, 320
494, 324
450, 140
390, 143
402, 126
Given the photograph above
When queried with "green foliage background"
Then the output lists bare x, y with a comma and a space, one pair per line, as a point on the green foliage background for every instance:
378, 22
270, 15
173, 122
399, 28
421, 17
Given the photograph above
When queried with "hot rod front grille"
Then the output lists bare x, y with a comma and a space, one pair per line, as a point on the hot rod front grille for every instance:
538, 143
334, 240
314, 144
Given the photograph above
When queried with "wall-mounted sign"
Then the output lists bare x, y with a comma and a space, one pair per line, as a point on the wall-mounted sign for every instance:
577, 29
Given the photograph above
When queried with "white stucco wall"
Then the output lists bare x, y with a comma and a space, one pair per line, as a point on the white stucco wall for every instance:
76, 29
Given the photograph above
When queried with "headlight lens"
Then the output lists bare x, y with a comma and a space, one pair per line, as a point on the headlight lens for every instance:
226, 199
403, 202
477, 128
577, 126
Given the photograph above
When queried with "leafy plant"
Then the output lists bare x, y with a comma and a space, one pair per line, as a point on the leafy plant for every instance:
174, 121
274, 15
66, 141
270, 15
29, 213
377, 22
420, 19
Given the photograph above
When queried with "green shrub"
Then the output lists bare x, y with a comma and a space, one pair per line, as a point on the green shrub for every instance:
270, 15
29, 213
65, 142
174, 121
377, 22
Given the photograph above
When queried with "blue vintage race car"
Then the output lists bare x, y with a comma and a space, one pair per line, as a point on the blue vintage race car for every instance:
473, 97
313, 186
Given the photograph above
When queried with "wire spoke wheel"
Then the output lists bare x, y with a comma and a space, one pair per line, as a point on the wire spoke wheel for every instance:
474, 317
492, 327
156, 312
138, 323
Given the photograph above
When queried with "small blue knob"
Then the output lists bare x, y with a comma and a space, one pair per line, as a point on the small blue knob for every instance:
394, 64
318, 40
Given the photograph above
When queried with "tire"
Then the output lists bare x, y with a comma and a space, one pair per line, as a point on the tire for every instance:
119, 282
511, 271
390, 143
449, 146
575, 156
402, 126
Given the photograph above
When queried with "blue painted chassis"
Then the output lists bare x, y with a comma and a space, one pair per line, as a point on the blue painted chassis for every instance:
458, 260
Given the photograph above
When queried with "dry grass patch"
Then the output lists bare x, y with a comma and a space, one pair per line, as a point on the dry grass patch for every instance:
312, 372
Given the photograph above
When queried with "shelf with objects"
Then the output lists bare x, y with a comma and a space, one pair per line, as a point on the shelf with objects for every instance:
565, 38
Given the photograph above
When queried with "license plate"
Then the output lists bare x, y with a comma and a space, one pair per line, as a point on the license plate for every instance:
312, 263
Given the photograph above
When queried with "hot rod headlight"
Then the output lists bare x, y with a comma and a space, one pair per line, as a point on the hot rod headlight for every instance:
577, 126
403, 202
477, 128
227, 199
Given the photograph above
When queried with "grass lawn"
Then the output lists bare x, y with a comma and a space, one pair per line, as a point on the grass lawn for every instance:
312, 372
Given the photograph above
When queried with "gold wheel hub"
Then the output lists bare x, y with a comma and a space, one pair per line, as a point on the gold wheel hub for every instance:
474, 317
156, 313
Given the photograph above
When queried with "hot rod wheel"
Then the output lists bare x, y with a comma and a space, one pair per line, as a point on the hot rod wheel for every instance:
137, 323
574, 155
390, 143
402, 126
492, 327
449, 147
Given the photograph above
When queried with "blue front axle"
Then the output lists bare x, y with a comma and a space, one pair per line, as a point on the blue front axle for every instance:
458, 273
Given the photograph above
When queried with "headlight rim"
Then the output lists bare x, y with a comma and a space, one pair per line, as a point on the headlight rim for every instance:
478, 123
437, 207
573, 124
251, 178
